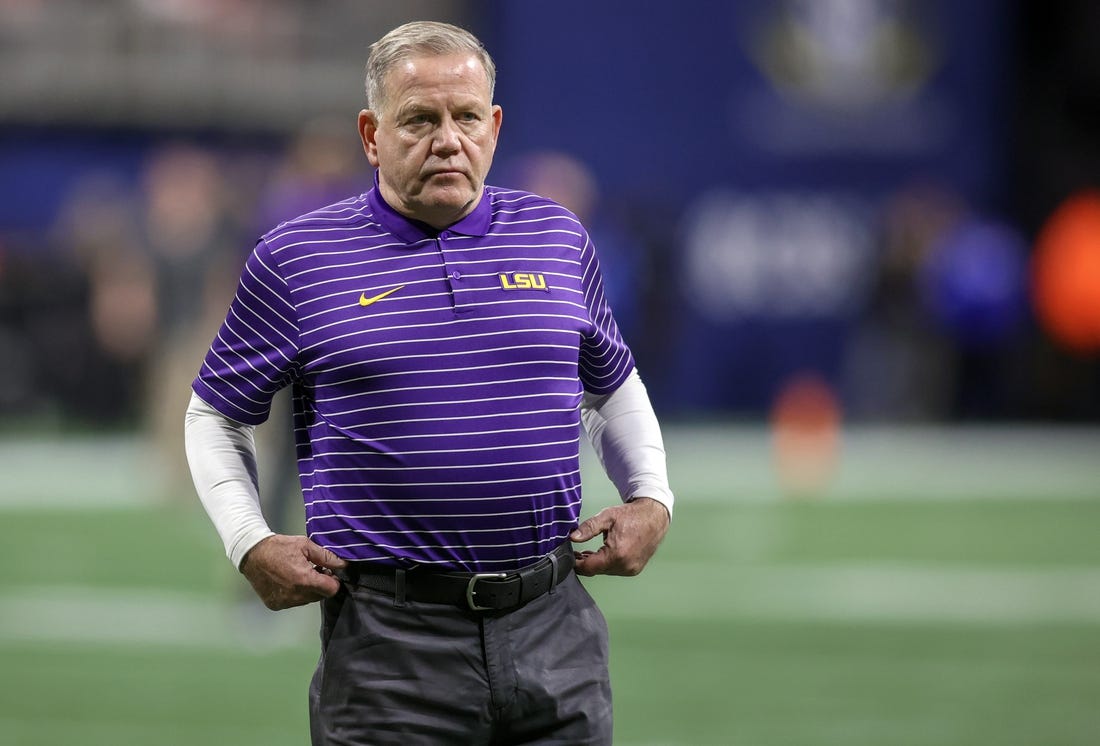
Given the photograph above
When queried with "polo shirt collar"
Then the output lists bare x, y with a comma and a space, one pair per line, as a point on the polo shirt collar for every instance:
411, 231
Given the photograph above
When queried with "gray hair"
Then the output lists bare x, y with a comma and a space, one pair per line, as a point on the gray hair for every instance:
421, 39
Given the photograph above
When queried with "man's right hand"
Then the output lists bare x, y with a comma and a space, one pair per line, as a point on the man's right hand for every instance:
288, 571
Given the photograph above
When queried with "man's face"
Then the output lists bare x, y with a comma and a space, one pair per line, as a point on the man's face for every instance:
433, 140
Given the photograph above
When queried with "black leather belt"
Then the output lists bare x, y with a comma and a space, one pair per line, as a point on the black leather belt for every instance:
477, 591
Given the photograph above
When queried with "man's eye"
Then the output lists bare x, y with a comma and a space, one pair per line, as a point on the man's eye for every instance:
418, 119
468, 116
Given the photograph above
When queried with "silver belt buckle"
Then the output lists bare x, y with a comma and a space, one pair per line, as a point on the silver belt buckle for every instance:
473, 581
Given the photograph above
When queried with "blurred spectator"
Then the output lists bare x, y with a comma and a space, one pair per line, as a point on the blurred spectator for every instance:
194, 246
111, 323
897, 366
52, 372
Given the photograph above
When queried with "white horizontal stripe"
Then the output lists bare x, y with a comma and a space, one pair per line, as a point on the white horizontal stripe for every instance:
388, 516
436, 467
374, 423
523, 196
441, 436
556, 216
528, 300
447, 386
439, 531
510, 447
458, 353
525, 252
452, 371
375, 278
525, 258
450, 338
544, 206
499, 192
447, 483
340, 224
375, 545
543, 300
510, 561
314, 242
490, 498
410, 261
454, 402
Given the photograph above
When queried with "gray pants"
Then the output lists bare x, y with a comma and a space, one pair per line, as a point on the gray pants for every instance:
436, 674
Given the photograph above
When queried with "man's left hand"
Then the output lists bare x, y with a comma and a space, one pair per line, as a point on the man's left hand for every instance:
631, 533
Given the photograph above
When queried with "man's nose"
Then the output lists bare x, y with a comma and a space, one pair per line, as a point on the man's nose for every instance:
446, 141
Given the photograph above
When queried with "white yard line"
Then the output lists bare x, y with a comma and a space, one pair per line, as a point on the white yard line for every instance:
897, 462
854, 592
146, 616
84, 472
668, 590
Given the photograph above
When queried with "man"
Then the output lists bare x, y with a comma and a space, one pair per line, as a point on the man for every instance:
443, 339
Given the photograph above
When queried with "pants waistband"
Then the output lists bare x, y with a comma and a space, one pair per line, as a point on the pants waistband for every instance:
477, 591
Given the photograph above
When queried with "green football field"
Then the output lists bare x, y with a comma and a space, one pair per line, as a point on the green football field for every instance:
944, 588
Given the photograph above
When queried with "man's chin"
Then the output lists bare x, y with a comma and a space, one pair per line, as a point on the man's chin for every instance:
442, 200
439, 209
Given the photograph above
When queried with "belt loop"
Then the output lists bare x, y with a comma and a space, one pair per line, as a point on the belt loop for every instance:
399, 587
553, 571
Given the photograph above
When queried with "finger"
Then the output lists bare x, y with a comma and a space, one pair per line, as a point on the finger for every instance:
593, 527
289, 600
311, 587
327, 585
593, 563
323, 557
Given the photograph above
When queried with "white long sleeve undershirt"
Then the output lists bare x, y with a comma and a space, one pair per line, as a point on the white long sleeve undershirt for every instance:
221, 453
222, 457
626, 437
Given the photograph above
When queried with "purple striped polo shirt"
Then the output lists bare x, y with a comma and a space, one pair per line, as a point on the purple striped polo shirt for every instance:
437, 375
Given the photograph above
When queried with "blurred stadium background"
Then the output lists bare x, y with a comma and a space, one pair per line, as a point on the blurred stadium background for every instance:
855, 245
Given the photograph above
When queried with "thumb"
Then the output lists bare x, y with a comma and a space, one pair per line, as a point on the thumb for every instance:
322, 557
593, 527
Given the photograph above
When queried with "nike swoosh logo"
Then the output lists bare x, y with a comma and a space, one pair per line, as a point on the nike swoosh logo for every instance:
365, 301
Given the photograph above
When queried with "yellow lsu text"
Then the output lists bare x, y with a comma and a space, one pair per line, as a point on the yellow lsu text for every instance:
523, 281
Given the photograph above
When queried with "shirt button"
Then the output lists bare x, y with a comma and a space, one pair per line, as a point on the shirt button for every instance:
456, 275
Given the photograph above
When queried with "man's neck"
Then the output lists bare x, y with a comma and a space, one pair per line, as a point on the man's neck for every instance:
438, 219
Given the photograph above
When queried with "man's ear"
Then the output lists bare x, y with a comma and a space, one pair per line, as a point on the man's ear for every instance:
498, 117
368, 127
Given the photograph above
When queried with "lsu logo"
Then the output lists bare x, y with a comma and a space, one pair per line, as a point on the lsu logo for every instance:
523, 281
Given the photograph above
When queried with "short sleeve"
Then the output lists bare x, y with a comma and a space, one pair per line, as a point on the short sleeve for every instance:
605, 359
254, 352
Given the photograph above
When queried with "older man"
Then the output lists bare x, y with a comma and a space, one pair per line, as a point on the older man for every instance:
443, 339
